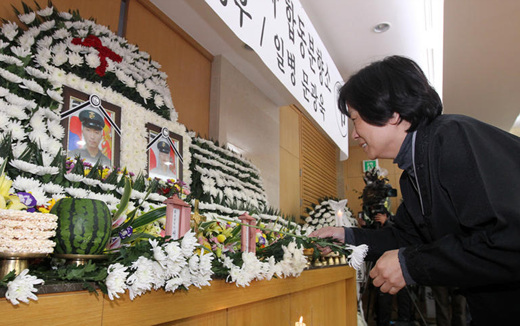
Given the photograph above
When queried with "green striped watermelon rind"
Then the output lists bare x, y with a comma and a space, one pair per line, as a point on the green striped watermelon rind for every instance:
84, 226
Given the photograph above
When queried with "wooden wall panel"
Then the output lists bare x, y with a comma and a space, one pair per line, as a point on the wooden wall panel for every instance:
319, 157
188, 66
290, 161
106, 12
78, 308
272, 312
211, 319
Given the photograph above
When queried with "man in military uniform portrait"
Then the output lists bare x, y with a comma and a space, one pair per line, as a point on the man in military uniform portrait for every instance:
92, 124
165, 166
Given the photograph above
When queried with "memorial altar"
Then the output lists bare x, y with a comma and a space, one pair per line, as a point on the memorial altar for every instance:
322, 296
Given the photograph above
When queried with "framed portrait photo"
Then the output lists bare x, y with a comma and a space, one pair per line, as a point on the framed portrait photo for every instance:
92, 128
164, 153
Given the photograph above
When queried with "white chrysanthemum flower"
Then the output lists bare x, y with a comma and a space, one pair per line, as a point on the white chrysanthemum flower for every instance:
24, 166
143, 277
22, 288
55, 96
38, 123
49, 114
65, 15
143, 91
47, 158
175, 259
158, 100
10, 76
45, 43
45, 12
10, 30
22, 53
357, 255
116, 280
56, 129
17, 112
62, 33
39, 195
42, 59
33, 32
107, 187
173, 284
19, 148
75, 59
4, 120
158, 253
59, 58
83, 33
188, 244
77, 192
90, 182
44, 170
52, 188
45, 26
52, 146
16, 129
33, 86
25, 184
27, 18
10, 60
72, 177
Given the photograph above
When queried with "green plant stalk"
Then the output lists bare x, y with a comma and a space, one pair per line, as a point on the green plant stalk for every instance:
322, 241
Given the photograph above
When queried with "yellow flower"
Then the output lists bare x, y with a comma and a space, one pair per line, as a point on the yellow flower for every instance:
14, 203
5, 185
105, 173
6, 200
221, 238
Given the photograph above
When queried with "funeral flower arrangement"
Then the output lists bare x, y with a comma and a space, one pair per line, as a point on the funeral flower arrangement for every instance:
328, 212
228, 185
57, 49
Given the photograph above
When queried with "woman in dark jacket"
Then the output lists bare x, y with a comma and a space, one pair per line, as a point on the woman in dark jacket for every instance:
459, 223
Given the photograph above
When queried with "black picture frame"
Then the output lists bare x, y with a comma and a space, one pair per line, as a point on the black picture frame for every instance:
152, 154
74, 102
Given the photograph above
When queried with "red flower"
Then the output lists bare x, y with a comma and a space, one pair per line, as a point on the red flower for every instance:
93, 41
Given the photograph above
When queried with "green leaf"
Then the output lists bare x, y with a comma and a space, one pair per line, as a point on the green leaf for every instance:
123, 205
149, 217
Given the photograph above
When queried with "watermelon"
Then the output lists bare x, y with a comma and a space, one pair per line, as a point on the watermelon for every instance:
84, 226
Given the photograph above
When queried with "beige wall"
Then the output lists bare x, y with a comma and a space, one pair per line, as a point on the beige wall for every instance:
482, 60
242, 115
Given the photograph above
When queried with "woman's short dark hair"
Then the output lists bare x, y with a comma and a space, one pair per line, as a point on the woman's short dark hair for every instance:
394, 84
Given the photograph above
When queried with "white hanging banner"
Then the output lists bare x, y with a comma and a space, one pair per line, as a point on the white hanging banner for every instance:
283, 36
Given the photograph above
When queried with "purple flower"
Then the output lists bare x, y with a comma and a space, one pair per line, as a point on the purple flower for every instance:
125, 233
27, 199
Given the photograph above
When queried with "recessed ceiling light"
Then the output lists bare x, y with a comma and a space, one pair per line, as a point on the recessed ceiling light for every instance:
381, 27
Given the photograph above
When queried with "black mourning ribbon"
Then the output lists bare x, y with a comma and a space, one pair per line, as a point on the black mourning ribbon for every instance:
165, 134
95, 102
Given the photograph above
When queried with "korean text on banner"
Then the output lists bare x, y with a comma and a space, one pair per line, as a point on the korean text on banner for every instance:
282, 35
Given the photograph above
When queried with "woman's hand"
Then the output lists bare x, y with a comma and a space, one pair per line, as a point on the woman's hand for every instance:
337, 233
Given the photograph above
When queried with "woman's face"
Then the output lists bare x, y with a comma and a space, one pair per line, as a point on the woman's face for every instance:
379, 141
